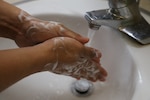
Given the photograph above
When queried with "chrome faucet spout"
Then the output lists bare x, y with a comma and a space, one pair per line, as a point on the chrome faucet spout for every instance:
123, 15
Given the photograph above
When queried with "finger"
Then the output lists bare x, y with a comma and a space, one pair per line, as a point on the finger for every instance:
93, 54
103, 71
92, 79
78, 37
74, 35
102, 79
102, 74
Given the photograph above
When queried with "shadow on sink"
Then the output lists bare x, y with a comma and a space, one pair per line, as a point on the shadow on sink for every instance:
122, 72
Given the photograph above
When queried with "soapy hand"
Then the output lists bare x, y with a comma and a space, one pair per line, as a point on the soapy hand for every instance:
70, 57
36, 31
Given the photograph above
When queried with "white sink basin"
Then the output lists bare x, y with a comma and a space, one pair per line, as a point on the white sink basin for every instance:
122, 72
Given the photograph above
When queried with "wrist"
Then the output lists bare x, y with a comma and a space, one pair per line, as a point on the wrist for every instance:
26, 21
45, 55
11, 22
10, 26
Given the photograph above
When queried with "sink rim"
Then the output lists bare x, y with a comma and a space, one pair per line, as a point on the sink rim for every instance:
67, 18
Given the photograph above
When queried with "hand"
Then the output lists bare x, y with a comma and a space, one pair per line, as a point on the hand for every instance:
70, 57
37, 31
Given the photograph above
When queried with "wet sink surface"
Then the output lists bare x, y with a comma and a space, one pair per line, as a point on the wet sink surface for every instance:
116, 59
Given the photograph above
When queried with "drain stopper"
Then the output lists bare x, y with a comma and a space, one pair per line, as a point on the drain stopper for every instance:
82, 88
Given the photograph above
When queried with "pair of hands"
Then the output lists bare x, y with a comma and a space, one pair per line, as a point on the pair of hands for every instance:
70, 56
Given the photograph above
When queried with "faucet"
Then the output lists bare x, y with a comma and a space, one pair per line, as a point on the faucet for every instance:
123, 15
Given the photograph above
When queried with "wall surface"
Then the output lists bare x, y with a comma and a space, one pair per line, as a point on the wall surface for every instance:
145, 5
12, 1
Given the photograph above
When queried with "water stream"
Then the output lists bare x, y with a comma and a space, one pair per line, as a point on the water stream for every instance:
80, 86
90, 35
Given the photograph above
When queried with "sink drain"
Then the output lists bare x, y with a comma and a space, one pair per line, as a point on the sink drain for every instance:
82, 88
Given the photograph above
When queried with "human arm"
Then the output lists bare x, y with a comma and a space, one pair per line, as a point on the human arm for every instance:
27, 30
54, 55
15, 64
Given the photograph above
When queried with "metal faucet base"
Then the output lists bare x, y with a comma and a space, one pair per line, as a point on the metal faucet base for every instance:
137, 29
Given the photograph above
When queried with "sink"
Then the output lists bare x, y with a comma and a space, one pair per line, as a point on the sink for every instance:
123, 75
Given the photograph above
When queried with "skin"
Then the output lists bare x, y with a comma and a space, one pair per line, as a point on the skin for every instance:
44, 47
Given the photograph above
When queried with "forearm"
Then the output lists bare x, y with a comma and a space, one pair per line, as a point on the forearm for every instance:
16, 64
10, 25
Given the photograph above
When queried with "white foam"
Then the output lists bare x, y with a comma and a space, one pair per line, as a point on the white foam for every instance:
76, 68
39, 24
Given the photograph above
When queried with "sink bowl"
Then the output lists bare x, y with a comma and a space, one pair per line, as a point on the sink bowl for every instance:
122, 73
